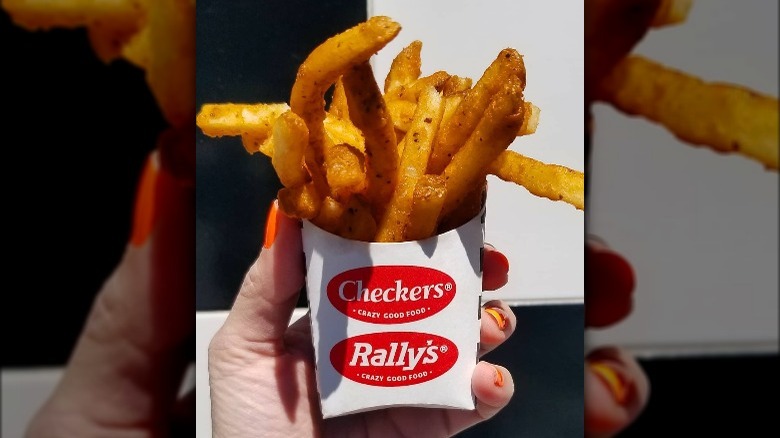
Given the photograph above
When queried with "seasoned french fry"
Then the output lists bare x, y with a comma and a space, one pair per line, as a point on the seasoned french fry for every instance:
414, 161
331, 215
138, 49
368, 169
369, 114
322, 68
412, 91
343, 131
171, 71
107, 41
469, 207
338, 103
358, 222
402, 113
531, 120
259, 142
426, 206
551, 181
457, 129
455, 85
216, 120
496, 129
345, 170
290, 140
302, 202
671, 12
46, 14
727, 118
405, 67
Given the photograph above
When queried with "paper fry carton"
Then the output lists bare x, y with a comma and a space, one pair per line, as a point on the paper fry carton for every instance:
395, 324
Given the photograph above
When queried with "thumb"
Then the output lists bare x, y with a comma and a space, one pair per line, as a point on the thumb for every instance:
265, 302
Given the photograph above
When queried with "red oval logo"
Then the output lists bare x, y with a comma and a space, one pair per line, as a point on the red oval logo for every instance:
393, 358
391, 294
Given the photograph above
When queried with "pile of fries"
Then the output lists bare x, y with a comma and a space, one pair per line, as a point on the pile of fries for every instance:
155, 35
403, 165
727, 118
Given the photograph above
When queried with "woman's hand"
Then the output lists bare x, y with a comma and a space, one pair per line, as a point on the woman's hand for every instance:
262, 371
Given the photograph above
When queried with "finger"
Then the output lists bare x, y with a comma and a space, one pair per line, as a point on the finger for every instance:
616, 391
493, 388
609, 286
612, 29
270, 290
495, 268
497, 324
128, 362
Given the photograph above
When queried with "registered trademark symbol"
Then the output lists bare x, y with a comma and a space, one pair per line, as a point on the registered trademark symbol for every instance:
443, 348
448, 287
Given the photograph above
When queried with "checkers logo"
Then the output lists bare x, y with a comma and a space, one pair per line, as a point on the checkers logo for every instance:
391, 294
394, 358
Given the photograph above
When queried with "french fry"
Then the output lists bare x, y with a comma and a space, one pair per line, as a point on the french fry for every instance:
402, 113
331, 215
338, 104
671, 12
216, 120
551, 181
107, 41
301, 202
455, 85
414, 161
496, 129
405, 68
345, 170
727, 118
368, 169
412, 91
171, 70
457, 129
358, 222
47, 14
323, 67
290, 140
428, 200
531, 120
343, 131
138, 49
369, 114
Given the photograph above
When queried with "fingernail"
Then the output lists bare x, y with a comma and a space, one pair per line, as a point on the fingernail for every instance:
498, 315
144, 212
498, 380
498, 258
271, 225
614, 381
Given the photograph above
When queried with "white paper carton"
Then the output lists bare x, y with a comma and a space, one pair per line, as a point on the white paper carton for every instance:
395, 323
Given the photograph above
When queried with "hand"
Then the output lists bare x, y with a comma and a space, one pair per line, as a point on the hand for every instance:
616, 389
262, 371
125, 372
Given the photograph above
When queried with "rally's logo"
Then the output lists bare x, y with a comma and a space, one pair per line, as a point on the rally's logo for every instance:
394, 358
391, 294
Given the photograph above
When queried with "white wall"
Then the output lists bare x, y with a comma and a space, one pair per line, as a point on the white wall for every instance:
700, 228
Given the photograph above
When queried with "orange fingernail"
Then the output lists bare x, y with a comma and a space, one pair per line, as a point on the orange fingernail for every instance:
144, 213
498, 315
499, 378
613, 380
271, 225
